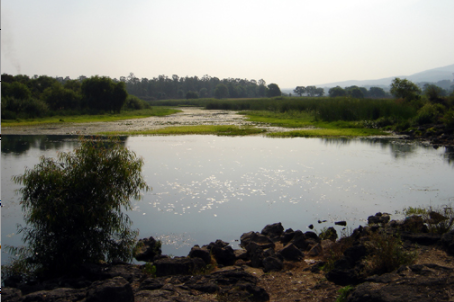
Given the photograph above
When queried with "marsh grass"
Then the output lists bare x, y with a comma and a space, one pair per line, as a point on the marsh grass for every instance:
386, 252
227, 130
57, 119
349, 132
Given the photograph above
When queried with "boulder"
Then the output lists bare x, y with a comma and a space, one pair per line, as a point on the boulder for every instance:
147, 249
315, 250
273, 231
115, 289
258, 238
299, 240
224, 255
343, 223
287, 236
178, 266
272, 264
291, 252
311, 235
202, 253
240, 254
378, 218
255, 254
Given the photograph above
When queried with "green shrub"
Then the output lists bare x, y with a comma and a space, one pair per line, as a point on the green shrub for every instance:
448, 119
429, 113
343, 293
73, 207
386, 252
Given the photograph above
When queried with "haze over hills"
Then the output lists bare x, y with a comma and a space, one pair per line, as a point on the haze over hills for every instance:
431, 75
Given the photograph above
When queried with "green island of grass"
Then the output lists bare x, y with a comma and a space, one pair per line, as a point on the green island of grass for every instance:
294, 119
201, 129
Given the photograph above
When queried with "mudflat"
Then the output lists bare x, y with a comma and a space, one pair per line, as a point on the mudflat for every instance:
188, 116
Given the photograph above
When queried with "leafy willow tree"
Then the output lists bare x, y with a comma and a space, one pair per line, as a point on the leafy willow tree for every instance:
73, 207
403, 88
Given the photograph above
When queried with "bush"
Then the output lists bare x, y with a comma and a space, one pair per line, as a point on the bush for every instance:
448, 119
23, 108
386, 253
134, 103
73, 207
429, 113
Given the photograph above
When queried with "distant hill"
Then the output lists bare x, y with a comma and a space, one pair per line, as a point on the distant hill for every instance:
431, 75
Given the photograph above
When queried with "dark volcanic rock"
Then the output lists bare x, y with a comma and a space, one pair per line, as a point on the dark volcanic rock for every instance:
148, 249
272, 264
291, 252
378, 218
258, 238
346, 270
414, 283
300, 240
343, 223
115, 289
178, 266
273, 231
287, 236
202, 253
223, 254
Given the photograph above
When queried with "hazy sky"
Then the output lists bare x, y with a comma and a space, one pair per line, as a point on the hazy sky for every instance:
294, 42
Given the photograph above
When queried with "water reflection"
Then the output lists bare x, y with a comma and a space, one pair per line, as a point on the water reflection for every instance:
17, 145
399, 148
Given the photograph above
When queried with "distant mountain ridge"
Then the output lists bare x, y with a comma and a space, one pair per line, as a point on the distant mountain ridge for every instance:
431, 75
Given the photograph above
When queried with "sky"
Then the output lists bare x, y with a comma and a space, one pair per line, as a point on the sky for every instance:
288, 42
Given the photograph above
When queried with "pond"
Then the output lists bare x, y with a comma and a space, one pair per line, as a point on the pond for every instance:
210, 187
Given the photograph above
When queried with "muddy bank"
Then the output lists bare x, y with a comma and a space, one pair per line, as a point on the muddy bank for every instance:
188, 117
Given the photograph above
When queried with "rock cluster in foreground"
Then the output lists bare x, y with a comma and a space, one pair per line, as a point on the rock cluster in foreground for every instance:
193, 278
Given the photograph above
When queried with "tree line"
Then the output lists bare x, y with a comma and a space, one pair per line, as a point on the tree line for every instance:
175, 87
39, 96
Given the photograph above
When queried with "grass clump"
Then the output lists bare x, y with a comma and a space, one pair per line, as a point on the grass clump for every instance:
386, 252
344, 292
328, 133
201, 129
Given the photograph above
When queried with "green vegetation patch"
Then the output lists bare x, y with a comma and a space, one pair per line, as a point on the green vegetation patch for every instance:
348, 132
125, 115
201, 129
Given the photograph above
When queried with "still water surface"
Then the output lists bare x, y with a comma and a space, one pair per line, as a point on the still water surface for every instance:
209, 187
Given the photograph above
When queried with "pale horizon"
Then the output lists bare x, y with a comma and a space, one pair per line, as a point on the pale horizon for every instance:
290, 43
